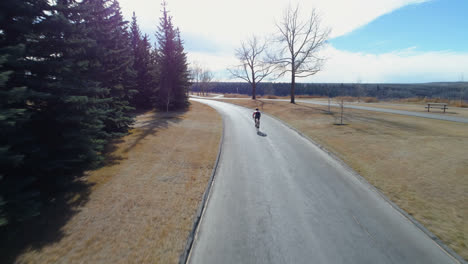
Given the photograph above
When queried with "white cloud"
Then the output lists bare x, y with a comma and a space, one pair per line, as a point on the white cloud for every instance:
398, 66
345, 16
218, 27
214, 62
228, 22
404, 66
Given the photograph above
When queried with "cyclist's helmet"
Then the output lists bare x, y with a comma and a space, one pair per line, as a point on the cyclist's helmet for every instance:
256, 109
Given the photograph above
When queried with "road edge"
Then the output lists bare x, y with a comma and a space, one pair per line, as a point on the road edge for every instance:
196, 222
434, 238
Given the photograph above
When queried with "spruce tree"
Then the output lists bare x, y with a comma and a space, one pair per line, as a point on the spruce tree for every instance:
50, 126
142, 65
135, 35
182, 73
111, 61
154, 75
16, 24
173, 70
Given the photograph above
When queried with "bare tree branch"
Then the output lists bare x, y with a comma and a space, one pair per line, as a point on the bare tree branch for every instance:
303, 39
201, 78
253, 66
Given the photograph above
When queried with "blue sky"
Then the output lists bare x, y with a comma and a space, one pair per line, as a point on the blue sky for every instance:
431, 26
394, 41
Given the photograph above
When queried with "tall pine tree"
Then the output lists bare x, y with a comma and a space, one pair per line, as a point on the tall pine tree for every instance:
173, 69
145, 84
49, 123
182, 72
111, 61
16, 26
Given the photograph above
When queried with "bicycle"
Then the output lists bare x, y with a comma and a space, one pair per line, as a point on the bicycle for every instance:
257, 123
256, 116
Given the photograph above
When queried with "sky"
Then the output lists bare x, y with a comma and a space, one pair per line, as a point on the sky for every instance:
371, 41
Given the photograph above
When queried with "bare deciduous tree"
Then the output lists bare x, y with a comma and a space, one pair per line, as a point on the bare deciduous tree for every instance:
252, 68
195, 75
342, 110
359, 89
328, 89
300, 43
341, 103
461, 89
206, 79
201, 78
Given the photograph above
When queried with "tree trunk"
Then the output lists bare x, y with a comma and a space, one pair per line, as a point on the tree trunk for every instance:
293, 85
254, 88
254, 84
342, 108
168, 101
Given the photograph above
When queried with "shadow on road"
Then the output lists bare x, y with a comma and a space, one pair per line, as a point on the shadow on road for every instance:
260, 133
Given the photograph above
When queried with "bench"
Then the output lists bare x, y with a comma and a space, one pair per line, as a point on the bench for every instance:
436, 105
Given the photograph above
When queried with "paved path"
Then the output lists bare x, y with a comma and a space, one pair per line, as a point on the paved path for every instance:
368, 108
277, 198
392, 111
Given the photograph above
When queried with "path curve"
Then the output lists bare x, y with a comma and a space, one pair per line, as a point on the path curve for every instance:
278, 198
393, 111
367, 108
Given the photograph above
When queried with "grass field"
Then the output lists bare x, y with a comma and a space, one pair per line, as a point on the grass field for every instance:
420, 164
142, 205
418, 106
451, 111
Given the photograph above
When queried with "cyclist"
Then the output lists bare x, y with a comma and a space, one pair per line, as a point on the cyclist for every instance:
256, 115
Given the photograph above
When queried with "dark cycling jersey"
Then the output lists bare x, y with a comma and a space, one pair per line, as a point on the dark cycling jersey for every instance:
257, 114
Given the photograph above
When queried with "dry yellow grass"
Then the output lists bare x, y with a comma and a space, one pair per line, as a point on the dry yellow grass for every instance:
268, 96
206, 94
236, 96
420, 164
424, 100
414, 106
451, 111
306, 96
141, 209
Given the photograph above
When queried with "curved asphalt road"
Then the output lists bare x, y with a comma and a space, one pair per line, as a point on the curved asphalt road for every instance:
368, 108
277, 198
392, 111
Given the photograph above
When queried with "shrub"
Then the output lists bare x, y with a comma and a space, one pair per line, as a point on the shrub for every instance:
370, 99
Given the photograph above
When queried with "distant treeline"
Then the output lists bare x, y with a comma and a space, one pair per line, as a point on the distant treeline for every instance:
446, 90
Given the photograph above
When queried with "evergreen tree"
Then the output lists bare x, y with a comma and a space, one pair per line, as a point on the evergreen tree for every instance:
173, 70
16, 23
48, 118
111, 61
154, 75
182, 73
142, 65
135, 35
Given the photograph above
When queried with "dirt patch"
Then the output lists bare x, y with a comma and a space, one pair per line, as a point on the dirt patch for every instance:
142, 205
420, 164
